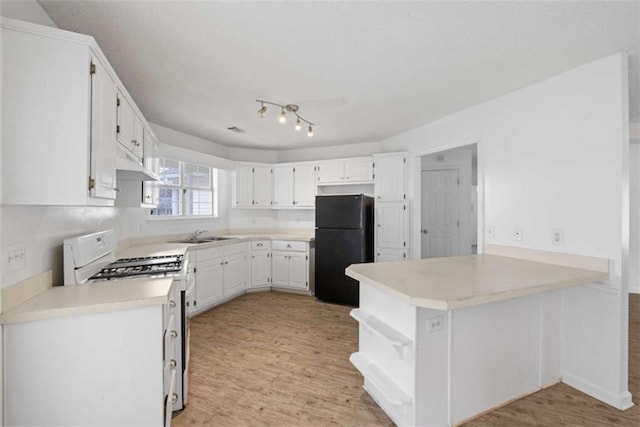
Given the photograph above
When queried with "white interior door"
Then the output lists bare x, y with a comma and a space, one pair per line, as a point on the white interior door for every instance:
440, 216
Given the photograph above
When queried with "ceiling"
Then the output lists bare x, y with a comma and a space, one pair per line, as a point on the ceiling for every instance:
362, 71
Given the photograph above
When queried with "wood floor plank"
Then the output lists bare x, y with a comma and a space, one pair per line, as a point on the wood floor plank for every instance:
276, 359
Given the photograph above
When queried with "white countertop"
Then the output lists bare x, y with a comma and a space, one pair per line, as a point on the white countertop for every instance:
464, 281
65, 301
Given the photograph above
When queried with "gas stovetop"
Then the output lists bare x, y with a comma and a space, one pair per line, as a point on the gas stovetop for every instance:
144, 266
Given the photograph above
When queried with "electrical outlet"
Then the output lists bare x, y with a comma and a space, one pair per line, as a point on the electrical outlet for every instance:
557, 236
517, 234
15, 257
435, 323
491, 232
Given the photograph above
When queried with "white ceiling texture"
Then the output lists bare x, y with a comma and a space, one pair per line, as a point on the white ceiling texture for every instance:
362, 71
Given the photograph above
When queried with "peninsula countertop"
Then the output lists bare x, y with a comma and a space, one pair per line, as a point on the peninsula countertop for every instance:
90, 298
463, 281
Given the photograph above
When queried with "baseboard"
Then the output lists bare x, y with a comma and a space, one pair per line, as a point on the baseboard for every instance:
620, 401
634, 289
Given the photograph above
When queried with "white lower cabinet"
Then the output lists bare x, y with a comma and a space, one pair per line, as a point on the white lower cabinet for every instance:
225, 271
113, 368
235, 274
290, 264
220, 272
260, 264
209, 276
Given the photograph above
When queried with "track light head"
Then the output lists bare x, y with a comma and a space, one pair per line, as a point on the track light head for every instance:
262, 111
298, 124
310, 132
283, 117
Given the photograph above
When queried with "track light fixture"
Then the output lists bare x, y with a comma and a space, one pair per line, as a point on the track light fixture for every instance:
291, 108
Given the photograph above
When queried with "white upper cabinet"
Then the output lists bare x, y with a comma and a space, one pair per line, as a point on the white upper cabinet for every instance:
331, 173
103, 112
129, 128
345, 171
283, 186
390, 177
150, 191
253, 186
60, 119
243, 193
57, 145
358, 170
294, 185
262, 186
304, 185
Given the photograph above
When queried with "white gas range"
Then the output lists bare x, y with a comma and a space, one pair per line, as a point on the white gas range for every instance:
91, 259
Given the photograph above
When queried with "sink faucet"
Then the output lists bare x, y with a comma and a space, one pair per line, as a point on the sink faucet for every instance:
196, 234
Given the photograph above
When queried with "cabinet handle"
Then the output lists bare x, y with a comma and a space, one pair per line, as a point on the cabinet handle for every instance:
288, 246
173, 364
378, 197
222, 263
174, 398
172, 304
378, 225
253, 257
174, 334
259, 245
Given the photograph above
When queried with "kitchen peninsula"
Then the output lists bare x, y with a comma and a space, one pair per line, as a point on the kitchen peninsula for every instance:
443, 340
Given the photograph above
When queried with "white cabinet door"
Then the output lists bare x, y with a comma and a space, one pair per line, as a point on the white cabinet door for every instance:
235, 274
331, 173
209, 281
126, 127
244, 186
390, 177
260, 268
391, 225
262, 186
384, 254
305, 185
358, 170
137, 143
298, 271
103, 127
283, 186
150, 191
279, 268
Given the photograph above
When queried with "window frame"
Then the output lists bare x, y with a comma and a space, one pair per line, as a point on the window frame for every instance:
182, 188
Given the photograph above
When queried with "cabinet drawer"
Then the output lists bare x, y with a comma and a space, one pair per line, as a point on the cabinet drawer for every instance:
289, 245
260, 245
236, 248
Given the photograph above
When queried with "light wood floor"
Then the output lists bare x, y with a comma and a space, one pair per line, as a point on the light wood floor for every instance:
274, 359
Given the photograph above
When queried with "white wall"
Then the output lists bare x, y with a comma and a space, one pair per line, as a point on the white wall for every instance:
554, 155
325, 153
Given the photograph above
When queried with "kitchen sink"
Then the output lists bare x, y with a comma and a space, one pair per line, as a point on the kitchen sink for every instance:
203, 240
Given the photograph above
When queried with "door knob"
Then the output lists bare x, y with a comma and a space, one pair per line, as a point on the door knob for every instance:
424, 231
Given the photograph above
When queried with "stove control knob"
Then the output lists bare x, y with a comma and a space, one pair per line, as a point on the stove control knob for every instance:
172, 304
173, 364
174, 334
174, 398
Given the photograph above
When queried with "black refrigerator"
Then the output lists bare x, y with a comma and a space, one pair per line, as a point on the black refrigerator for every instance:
344, 236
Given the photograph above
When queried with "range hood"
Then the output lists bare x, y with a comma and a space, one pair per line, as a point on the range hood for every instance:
128, 169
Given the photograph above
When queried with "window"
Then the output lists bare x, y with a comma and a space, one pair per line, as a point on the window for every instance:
186, 189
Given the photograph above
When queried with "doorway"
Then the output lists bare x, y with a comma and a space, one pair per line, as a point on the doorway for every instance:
448, 202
